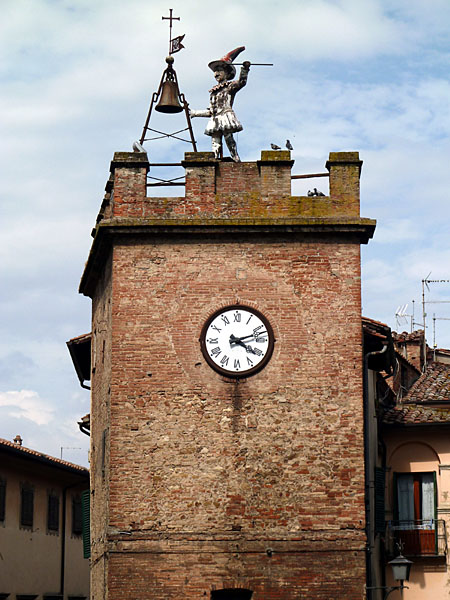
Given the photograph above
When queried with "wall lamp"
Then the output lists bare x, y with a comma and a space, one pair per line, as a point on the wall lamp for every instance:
401, 568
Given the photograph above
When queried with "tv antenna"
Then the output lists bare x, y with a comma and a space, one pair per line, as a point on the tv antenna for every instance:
425, 283
401, 316
435, 318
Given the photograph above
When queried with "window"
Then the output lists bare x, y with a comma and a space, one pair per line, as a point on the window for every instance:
53, 513
415, 509
416, 497
26, 506
2, 499
77, 516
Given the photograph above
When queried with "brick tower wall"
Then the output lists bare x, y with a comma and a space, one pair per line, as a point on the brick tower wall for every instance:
205, 482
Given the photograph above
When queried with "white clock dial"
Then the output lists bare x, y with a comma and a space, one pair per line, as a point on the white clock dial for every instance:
237, 341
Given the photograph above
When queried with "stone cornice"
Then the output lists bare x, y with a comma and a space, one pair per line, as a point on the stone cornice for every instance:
351, 230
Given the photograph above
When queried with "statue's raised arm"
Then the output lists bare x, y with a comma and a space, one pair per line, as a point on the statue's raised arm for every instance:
223, 121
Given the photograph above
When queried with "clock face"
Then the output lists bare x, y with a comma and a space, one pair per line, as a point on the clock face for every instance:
237, 341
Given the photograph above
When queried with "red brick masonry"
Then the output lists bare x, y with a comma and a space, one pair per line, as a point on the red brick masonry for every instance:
200, 482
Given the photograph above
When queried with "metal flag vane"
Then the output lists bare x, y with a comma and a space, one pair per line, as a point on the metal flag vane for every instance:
175, 44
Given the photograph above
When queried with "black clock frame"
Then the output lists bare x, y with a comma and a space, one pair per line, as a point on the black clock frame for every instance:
252, 370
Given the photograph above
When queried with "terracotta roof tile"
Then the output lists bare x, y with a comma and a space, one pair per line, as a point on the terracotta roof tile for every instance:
373, 327
413, 414
81, 338
418, 407
58, 462
368, 321
432, 386
414, 336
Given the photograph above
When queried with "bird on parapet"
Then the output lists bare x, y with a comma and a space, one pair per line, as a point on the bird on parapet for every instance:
315, 192
275, 147
289, 146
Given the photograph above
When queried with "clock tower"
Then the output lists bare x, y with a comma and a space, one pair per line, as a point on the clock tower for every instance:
227, 455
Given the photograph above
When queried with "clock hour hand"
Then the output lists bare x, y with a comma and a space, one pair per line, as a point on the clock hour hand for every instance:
236, 340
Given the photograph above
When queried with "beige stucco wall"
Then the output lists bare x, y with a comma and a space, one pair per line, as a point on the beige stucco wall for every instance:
30, 557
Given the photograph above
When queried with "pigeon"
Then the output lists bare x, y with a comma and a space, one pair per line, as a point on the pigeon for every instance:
289, 146
137, 147
275, 147
315, 192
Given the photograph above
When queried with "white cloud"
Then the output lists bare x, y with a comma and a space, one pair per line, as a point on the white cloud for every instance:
76, 82
26, 404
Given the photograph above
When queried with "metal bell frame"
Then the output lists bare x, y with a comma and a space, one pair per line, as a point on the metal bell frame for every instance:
168, 87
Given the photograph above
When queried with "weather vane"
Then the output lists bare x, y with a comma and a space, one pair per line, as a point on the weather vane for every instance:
168, 97
175, 44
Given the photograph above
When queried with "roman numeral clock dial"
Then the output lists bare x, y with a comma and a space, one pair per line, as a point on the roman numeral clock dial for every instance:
237, 341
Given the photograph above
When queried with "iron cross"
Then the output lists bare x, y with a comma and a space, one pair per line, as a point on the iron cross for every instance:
170, 18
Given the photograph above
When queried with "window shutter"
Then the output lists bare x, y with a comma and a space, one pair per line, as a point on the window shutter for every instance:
77, 517
53, 513
380, 484
86, 510
26, 507
2, 499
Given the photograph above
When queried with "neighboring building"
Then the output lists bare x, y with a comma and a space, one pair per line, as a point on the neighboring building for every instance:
204, 484
409, 463
441, 355
416, 432
411, 346
41, 546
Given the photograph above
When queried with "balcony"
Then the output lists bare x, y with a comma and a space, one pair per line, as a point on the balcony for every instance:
419, 538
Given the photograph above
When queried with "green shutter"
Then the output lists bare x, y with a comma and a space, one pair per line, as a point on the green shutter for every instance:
380, 484
53, 513
27, 506
86, 510
2, 499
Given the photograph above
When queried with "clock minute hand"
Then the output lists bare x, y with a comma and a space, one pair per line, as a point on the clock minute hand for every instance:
245, 337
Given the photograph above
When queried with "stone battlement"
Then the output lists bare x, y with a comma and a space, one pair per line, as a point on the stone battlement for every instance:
223, 197
222, 189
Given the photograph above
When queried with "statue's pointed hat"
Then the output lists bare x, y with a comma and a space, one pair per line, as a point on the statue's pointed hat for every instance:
226, 62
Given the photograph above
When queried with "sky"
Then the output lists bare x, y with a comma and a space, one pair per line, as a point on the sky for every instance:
76, 81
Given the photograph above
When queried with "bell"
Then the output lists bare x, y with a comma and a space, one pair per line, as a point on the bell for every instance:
169, 98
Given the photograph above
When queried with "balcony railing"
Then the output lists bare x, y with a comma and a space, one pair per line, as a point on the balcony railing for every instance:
419, 538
